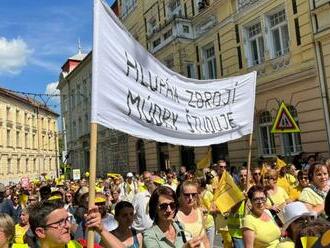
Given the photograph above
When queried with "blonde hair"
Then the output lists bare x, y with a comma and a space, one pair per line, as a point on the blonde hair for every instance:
180, 191
8, 226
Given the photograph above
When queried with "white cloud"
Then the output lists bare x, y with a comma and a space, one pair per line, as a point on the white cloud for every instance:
52, 90
13, 55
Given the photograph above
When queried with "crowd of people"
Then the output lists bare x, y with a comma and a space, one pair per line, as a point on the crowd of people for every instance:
282, 207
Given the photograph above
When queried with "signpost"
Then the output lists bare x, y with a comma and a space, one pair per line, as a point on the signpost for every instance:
284, 122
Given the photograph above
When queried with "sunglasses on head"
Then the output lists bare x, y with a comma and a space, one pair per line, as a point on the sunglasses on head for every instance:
164, 206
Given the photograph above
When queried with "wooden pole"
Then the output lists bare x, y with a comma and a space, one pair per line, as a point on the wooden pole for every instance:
92, 177
249, 163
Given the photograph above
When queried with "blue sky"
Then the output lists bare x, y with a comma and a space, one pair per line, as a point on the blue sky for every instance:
36, 38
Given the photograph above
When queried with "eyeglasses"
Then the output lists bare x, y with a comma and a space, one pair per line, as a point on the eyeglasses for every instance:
190, 194
60, 223
259, 199
257, 173
164, 206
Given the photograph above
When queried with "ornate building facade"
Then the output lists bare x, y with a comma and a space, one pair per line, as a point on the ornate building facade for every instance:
285, 41
28, 138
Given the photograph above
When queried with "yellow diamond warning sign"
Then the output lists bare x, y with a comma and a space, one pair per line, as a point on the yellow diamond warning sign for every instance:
284, 122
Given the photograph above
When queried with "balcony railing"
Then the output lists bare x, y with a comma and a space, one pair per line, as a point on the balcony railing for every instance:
10, 123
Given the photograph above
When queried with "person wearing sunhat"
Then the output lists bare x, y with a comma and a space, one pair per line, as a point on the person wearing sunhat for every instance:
107, 219
295, 214
129, 188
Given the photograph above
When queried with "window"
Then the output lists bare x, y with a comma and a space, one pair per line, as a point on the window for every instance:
267, 140
127, 6
279, 34
65, 103
26, 120
33, 141
19, 169
186, 29
210, 68
8, 138
73, 98
18, 143
256, 49
17, 116
9, 171
34, 165
27, 165
291, 142
156, 42
191, 71
26, 141
78, 95
168, 34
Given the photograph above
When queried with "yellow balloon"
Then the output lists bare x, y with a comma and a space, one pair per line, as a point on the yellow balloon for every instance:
87, 174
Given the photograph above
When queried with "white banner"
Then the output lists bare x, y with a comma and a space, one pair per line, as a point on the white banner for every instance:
136, 94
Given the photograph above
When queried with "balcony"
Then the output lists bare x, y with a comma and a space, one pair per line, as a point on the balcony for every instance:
319, 3
10, 123
242, 4
19, 125
204, 26
44, 131
26, 127
1, 121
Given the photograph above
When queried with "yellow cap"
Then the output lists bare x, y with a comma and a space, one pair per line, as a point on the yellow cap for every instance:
54, 197
158, 180
100, 200
114, 175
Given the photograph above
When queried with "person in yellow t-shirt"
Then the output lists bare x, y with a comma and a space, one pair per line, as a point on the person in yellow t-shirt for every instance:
22, 227
206, 199
277, 197
259, 228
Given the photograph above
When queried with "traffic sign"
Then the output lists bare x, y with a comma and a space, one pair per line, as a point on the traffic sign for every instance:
284, 122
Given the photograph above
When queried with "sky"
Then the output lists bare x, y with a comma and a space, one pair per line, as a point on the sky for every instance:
36, 39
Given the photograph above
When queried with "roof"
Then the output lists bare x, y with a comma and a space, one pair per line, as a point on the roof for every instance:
27, 100
79, 56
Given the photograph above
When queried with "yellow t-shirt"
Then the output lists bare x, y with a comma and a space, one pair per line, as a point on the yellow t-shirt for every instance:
267, 233
278, 198
310, 196
206, 201
285, 244
19, 234
284, 184
194, 229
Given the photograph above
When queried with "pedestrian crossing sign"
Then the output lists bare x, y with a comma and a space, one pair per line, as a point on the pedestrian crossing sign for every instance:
284, 122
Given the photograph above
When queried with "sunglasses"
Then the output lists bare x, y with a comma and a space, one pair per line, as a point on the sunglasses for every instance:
164, 206
257, 173
259, 199
190, 194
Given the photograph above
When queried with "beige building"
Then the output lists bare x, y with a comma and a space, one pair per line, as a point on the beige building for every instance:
28, 138
285, 41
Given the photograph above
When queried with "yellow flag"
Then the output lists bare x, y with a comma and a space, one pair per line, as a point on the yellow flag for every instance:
227, 194
279, 164
308, 242
205, 162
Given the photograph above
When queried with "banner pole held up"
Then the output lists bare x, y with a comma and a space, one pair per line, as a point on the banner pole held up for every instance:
92, 177
249, 163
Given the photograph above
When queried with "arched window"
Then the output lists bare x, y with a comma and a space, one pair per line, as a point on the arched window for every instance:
267, 141
291, 142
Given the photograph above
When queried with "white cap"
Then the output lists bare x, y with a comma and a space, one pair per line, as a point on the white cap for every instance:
294, 211
129, 174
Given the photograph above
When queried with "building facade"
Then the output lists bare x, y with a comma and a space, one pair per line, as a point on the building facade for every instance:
28, 143
285, 41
